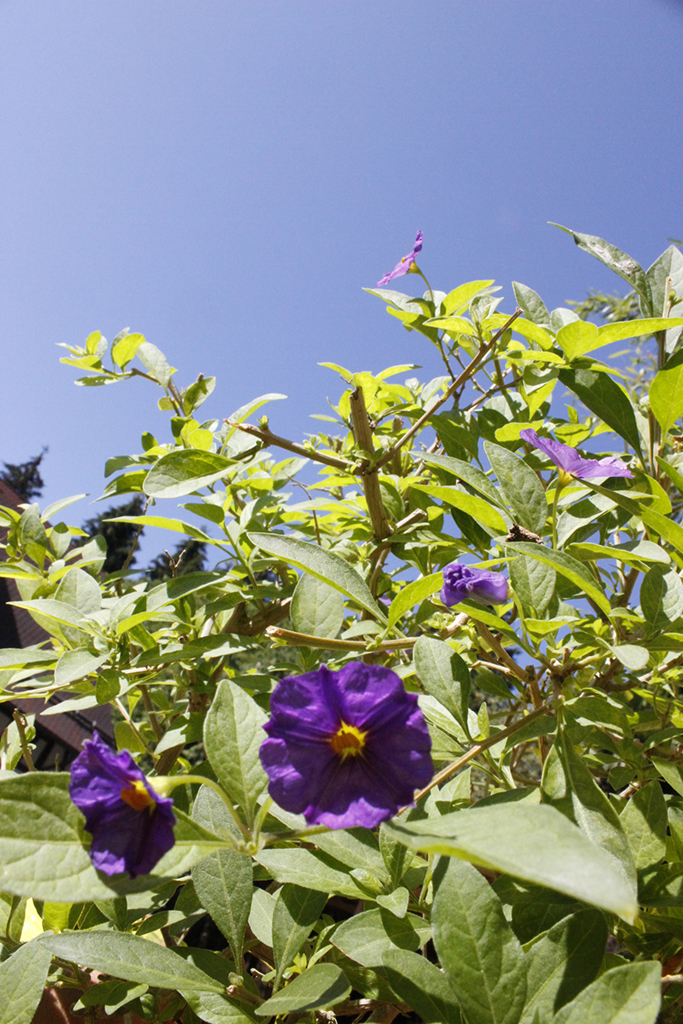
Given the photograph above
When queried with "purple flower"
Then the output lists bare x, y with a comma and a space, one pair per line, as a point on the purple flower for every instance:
131, 826
480, 585
404, 266
345, 748
570, 463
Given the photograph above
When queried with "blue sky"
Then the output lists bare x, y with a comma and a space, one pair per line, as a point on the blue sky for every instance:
225, 177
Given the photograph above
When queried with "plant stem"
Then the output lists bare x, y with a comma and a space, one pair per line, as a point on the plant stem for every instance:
171, 781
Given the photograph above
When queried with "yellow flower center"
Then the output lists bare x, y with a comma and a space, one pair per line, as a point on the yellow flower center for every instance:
348, 741
137, 796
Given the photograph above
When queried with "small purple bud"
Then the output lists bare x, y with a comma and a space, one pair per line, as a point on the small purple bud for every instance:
462, 581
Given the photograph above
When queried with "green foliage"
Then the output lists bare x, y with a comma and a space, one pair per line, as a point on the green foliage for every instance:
553, 827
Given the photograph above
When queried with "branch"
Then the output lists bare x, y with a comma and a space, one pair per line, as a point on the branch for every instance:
462, 379
362, 431
269, 438
293, 639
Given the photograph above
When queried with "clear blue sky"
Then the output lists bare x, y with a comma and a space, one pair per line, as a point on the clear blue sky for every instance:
224, 177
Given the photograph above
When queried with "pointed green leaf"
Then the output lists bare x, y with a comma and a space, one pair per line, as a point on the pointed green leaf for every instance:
479, 953
296, 911
478, 508
565, 565
666, 392
644, 820
630, 994
317, 608
22, 980
563, 963
233, 734
603, 396
421, 984
184, 472
521, 487
444, 675
508, 837
223, 880
321, 986
324, 565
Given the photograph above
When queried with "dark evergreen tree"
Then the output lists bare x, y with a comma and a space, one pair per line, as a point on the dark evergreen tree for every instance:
120, 537
24, 477
188, 556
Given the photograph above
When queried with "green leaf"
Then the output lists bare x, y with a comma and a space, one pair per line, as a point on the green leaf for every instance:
508, 837
444, 675
123, 351
197, 393
533, 582
163, 523
184, 472
395, 902
412, 594
644, 820
466, 472
630, 994
223, 880
617, 260
317, 608
233, 734
661, 597
357, 848
210, 1006
22, 980
43, 846
319, 987
420, 983
366, 937
460, 297
76, 664
521, 487
665, 527
531, 304
671, 773
79, 589
562, 963
603, 396
324, 565
565, 565
154, 360
296, 911
478, 508
569, 785
666, 392
580, 337
131, 958
33, 535
302, 867
479, 953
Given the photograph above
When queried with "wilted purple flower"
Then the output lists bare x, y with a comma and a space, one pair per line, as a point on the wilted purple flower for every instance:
404, 265
131, 825
345, 748
570, 463
480, 585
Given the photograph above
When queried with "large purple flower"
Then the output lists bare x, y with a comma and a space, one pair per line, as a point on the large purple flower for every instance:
131, 826
462, 581
345, 748
570, 463
404, 265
